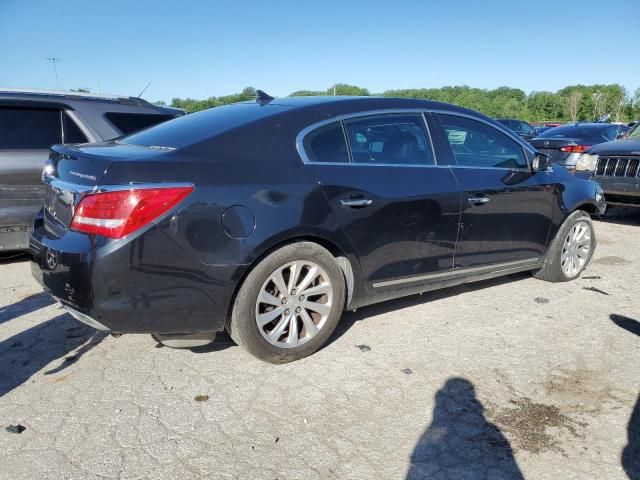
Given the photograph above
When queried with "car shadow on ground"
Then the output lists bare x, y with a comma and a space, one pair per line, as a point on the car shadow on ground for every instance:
629, 324
631, 453
622, 216
61, 338
14, 257
26, 305
461, 442
350, 318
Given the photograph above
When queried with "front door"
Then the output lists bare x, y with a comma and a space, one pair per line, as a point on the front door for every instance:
506, 208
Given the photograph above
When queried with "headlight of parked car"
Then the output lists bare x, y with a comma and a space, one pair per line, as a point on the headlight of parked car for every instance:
586, 163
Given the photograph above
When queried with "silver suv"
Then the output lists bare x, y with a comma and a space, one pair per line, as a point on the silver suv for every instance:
33, 120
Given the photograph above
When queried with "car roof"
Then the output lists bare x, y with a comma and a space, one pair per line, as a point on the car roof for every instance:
588, 125
43, 95
330, 106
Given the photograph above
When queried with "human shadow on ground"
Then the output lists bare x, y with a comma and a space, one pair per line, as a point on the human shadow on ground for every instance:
461, 442
26, 305
31, 350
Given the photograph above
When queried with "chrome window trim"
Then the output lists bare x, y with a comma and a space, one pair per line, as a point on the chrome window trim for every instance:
422, 111
368, 113
501, 128
456, 272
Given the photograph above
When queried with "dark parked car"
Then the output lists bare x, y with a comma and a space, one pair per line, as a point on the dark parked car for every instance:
31, 121
616, 167
270, 218
522, 128
565, 144
540, 129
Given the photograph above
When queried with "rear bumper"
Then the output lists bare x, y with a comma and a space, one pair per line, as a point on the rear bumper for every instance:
146, 284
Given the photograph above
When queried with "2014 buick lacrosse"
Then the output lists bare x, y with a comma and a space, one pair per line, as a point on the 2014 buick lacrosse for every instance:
270, 218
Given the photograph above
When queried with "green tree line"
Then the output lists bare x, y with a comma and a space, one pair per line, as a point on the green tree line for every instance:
570, 104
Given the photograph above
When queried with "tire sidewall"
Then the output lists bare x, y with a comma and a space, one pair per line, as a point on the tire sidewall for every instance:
570, 222
243, 326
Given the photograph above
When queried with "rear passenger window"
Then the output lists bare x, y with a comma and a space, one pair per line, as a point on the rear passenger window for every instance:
29, 128
476, 144
132, 122
396, 139
326, 144
72, 133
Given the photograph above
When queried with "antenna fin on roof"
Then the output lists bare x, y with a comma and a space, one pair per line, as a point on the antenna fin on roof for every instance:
263, 97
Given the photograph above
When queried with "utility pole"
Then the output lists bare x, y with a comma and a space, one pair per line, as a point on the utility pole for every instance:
54, 60
334, 89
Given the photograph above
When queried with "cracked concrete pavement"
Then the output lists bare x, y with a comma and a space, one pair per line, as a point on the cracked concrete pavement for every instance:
509, 378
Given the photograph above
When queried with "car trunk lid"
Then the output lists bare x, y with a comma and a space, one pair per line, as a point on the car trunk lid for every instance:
73, 171
553, 147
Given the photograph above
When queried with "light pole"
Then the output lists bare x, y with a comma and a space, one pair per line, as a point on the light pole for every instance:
54, 60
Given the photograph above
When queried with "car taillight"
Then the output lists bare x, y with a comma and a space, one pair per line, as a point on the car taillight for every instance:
119, 213
575, 148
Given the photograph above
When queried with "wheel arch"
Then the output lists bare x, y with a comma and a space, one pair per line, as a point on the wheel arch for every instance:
344, 260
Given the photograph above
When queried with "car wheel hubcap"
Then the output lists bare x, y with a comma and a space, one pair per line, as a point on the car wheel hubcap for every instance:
575, 250
294, 304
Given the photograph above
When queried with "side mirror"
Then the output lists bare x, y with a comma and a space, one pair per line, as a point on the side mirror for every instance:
541, 162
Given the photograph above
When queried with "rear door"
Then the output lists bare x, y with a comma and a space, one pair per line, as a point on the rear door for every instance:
506, 208
398, 208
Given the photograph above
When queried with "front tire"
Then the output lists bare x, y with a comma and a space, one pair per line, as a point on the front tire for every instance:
571, 249
289, 304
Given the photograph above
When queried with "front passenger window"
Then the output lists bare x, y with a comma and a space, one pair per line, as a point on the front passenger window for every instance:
477, 144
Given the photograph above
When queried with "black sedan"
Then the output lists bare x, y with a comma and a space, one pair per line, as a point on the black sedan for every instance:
524, 129
565, 144
270, 218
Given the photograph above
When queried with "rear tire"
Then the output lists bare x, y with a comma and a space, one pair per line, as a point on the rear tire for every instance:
272, 317
568, 256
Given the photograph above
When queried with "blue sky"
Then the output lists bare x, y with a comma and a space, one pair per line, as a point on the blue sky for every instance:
204, 48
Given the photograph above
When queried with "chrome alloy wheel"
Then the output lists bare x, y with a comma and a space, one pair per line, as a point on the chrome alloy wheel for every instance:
576, 249
294, 304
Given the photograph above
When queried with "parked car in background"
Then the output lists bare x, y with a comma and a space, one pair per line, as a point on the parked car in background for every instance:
616, 167
623, 130
541, 128
566, 143
270, 218
522, 128
31, 121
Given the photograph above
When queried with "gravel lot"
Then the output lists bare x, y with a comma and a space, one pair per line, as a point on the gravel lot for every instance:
508, 378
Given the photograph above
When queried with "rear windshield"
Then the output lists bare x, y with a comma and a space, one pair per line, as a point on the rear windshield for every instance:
512, 124
132, 122
582, 132
199, 126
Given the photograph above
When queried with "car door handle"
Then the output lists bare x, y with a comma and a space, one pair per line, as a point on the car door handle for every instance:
356, 202
478, 200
